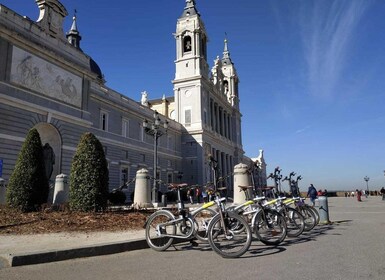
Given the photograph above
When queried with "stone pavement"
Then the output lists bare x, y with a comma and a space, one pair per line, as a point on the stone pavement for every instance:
16, 250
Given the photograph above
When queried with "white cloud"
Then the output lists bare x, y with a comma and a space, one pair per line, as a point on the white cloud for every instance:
328, 29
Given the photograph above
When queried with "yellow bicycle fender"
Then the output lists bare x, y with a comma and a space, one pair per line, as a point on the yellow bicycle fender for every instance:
288, 201
271, 202
249, 202
208, 204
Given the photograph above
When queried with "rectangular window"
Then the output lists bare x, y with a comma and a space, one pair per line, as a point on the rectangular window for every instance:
123, 175
135, 129
187, 117
125, 127
205, 117
104, 120
169, 178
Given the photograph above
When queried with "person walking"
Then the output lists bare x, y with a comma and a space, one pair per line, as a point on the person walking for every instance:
198, 194
358, 195
312, 194
382, 192
190, 194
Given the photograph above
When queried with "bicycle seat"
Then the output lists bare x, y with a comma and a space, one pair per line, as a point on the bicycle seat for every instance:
267, 188
173, 186
244, 188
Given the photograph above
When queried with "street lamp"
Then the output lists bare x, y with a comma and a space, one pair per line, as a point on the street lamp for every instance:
155, 129
366, 178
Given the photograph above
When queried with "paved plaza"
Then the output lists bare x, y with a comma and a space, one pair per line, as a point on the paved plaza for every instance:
351, 247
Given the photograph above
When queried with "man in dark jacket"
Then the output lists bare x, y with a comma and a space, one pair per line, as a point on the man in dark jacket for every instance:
312, 194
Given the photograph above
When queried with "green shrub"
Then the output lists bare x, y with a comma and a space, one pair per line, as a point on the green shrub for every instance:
89, 176
28, 186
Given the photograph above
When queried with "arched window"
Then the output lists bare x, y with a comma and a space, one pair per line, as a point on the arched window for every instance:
187, 44
225, 87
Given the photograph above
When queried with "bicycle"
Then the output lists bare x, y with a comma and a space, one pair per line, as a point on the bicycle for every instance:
310, 219
294, 219
309, 212
161, 227
267, 224
229, 234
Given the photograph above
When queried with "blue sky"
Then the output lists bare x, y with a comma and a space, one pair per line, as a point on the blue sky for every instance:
312, 84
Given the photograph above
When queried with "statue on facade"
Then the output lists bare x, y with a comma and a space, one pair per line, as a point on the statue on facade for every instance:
144, 100
49, 160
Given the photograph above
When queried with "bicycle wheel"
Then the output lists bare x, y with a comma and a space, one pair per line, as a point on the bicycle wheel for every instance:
309, 217
269, 227
315, 213
201, 221
294, 221
225, 241
156, 230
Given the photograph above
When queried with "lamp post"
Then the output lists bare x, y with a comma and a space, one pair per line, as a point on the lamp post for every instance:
366, 178
155, 129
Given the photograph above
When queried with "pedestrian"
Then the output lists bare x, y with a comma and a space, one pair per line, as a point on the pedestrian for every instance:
210, 194
382, 192
312, 194
198, 194
190, 194
320, 193
358, 195
204, 195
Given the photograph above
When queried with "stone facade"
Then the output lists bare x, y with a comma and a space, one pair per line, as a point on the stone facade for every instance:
48, 82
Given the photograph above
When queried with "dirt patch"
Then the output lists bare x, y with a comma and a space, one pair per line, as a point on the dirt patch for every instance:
50, 221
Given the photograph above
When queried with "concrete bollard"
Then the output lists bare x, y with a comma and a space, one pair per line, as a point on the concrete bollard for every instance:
2, 191
61, 191
142, 196
323, 210
241, 178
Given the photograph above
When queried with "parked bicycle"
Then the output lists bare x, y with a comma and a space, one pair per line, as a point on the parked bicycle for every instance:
162, 227
267, 224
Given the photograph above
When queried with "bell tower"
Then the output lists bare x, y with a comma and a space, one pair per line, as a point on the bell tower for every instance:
191, 68
191, 44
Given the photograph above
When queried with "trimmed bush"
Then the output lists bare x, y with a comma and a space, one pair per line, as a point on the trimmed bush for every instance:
28, 186
89, 176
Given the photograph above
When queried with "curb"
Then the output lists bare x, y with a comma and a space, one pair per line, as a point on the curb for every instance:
67, 254
74, 253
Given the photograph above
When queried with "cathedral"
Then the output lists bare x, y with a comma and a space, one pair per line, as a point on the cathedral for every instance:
49, 83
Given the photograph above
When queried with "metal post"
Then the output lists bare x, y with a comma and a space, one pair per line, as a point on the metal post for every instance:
367, 185
155, 187
155, 131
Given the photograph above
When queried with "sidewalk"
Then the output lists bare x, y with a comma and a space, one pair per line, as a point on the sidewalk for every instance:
16, 250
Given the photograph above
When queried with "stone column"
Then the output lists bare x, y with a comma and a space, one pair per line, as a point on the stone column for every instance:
142, 196
241, 178
61, 191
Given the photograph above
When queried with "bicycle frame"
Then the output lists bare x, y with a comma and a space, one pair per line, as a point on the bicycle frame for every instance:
183, 217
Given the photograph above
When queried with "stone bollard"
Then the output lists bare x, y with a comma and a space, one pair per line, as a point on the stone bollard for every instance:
323, 210
2, 191
241, 178
61, 191
142, 196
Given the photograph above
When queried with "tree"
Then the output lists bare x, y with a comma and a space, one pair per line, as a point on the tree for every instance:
89, 176
28, 186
